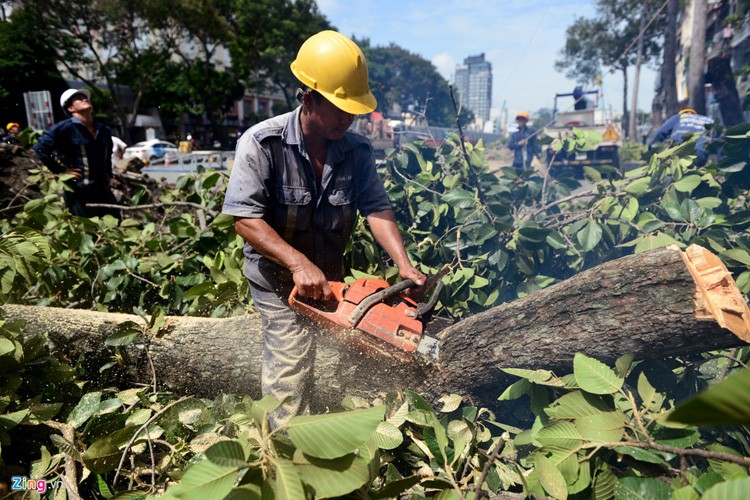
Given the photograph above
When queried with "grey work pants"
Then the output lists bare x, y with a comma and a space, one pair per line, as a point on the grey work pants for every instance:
288, 354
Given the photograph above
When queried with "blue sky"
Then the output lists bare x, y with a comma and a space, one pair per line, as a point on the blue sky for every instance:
521, 38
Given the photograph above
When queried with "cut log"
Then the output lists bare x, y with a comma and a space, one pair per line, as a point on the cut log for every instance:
660, 303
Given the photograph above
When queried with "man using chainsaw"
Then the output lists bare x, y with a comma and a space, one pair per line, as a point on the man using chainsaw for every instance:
297, 182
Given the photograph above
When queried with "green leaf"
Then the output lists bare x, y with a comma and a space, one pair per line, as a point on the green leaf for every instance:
530, 375
645, 488
641, 454
451, 402
594, 376
334, 435
515, 390
388, 436
207, 480
602, 427
589, 236
735, 489
86, 408
738, 254
10, 420
550, 477
690, 210
288, 481
639, 186
726, 403
688, 183
653, 241
623, 364
104, 454
605, 483
334, 477
576, 404
227, 454
459, 198
560, 434
6, 346
125, 333
645, 390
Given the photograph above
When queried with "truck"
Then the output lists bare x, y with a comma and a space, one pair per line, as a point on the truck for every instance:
582, 113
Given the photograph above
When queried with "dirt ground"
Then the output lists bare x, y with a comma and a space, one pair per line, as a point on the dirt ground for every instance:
16, 163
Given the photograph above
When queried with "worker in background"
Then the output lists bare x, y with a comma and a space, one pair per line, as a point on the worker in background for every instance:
118, 149
80, 147
680, 127
13, 129
297, 183
523, 142
677, 127
580, 99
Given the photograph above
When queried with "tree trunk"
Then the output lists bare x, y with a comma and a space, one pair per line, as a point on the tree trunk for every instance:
668, 73
722, 79
633, 128
656, 304
696, 72
625, 114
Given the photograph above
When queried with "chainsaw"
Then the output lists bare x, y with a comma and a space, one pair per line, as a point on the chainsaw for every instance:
392, 321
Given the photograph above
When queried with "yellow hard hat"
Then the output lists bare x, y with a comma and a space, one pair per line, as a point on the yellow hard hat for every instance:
688, 111
335, 66
522, 114
11, 125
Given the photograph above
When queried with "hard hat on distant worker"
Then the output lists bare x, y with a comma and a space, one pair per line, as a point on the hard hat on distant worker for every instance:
11, 125
688, 111
335, 66
65, 97
522, 114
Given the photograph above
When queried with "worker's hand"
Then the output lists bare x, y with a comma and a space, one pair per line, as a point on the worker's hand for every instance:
412, 273
311, 282
522, 142
77, 173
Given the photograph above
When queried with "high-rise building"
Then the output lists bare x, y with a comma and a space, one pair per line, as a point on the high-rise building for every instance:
474, 82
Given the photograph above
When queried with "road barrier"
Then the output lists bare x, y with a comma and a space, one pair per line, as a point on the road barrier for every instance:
173, 165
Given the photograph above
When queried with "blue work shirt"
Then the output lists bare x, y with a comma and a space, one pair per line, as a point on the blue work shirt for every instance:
272, 179
518, 150
678, 125
69, 144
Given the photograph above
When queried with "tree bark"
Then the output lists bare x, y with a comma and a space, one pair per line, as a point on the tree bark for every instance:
625, 113
722, 78
633, 125
696, 72
669, 76
654, 304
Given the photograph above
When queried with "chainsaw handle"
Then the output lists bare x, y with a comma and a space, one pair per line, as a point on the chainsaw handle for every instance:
392, 290
308, 310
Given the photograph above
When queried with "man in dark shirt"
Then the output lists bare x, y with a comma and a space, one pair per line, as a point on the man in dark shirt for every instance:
523, 142
13, 129
80, 147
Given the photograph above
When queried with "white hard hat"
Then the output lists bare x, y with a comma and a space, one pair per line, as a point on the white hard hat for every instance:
65, 97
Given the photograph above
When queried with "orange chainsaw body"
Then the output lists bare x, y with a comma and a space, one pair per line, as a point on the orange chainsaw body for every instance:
393, 321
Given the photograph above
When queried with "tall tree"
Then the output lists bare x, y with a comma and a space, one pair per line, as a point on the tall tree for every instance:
27, 65
196, 34
268, 34
403, 81
94, 41
668, 68
633, 122
696, 71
